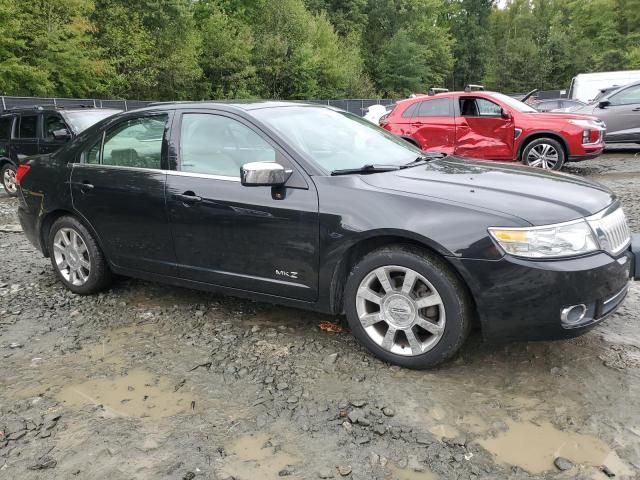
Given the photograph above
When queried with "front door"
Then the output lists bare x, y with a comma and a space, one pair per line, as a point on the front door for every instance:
622, 116
119, 187
25, 141
256, 239
481, 131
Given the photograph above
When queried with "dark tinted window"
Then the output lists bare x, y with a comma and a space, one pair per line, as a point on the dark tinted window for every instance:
434, 108
28, 126
5, 128
52, 122
135, 143
412, 111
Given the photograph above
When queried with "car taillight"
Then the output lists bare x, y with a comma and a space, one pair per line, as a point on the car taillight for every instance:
21, 172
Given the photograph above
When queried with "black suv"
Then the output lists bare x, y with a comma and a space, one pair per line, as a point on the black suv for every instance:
32, 130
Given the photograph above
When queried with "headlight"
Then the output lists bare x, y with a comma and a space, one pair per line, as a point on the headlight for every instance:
586, 123
562, 240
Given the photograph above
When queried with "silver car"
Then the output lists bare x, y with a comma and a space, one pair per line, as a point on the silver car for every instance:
619, 109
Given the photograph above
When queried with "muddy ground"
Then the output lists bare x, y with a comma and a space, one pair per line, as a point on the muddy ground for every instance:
149, 381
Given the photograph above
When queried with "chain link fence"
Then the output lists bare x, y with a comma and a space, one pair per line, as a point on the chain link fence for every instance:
356, 106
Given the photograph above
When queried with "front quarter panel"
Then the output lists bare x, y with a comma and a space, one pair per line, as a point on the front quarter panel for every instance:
351, 212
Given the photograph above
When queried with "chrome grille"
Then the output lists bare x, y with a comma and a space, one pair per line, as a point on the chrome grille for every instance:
612, 230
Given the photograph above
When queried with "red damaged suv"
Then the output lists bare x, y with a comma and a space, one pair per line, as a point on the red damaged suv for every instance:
493, 126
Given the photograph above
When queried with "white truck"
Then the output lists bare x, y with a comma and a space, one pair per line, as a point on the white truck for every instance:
586, 86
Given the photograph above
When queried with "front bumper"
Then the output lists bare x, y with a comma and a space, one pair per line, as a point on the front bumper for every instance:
521, 299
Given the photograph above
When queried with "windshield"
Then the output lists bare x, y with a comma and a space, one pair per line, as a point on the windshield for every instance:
338, 140
513, 103
80, 121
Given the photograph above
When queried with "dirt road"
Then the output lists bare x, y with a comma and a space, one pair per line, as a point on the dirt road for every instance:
148, 381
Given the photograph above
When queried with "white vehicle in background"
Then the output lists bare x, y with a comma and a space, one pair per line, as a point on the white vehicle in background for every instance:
376, 112
586, 86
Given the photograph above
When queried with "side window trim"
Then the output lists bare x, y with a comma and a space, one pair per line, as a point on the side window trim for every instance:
297, 180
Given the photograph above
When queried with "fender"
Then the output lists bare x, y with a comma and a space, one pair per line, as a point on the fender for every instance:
522, 141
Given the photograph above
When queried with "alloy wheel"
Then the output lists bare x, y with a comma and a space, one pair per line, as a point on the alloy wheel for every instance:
400, 310
9, 180
543, 156
71, 256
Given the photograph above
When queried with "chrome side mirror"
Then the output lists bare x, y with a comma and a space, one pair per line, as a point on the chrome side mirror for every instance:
263, 174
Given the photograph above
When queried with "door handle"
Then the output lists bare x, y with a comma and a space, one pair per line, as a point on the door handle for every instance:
84, 185
636, 109
187, 197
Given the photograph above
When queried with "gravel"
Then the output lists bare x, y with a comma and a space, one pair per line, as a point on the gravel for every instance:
264, 393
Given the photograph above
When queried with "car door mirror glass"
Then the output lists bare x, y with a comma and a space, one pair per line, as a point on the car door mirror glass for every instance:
263, 174
61, 134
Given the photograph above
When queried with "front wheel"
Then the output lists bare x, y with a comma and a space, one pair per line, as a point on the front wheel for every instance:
76, 257
407, 307
8, 175
545, 153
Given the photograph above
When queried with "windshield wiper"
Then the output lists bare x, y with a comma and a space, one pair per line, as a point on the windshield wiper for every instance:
366, 169
424, 158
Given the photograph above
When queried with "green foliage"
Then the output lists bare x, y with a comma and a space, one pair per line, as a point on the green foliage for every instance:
299, 49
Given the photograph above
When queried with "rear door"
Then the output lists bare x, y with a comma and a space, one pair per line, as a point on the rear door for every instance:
481, 131
52, 121
119, 188
622, 116
25, 140
259, 239
434, 125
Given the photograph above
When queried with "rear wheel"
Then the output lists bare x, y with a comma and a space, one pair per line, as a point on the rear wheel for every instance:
407, 307
76, 257
545, 153
8, 175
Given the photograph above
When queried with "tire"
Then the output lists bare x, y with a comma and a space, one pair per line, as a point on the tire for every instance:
371, 319
8, 176
546, 153
76, 257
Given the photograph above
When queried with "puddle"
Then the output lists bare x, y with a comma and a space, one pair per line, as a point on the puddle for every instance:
139, 393
535, 447
395, 473
473, 424
257, 456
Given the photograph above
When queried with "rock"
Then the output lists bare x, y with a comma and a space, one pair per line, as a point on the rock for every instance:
388, 412
330, 359
563, 464
344, 470
374, 458
43, 463
414, 464
189, 476
13, 345
286, 471
424, 439
282, 386
607, 471
353, 416
292, 399
380, 429
358, 403
326, 474
364, 421
347, 426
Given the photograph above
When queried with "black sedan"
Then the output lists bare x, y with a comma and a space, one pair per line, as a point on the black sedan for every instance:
317, 208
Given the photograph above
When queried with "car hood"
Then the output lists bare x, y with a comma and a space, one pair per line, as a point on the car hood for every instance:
536, 196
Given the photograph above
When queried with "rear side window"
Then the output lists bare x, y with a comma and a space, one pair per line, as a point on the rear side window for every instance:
28, 126
435, 108
412, 111
5, 128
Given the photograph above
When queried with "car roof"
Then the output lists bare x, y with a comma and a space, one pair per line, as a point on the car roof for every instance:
52, 108
474, 93
245, 105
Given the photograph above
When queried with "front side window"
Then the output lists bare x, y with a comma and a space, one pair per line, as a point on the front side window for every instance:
28, 126
629, 96
53, 122
216, 145
435, 108
479, 107
134, 143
